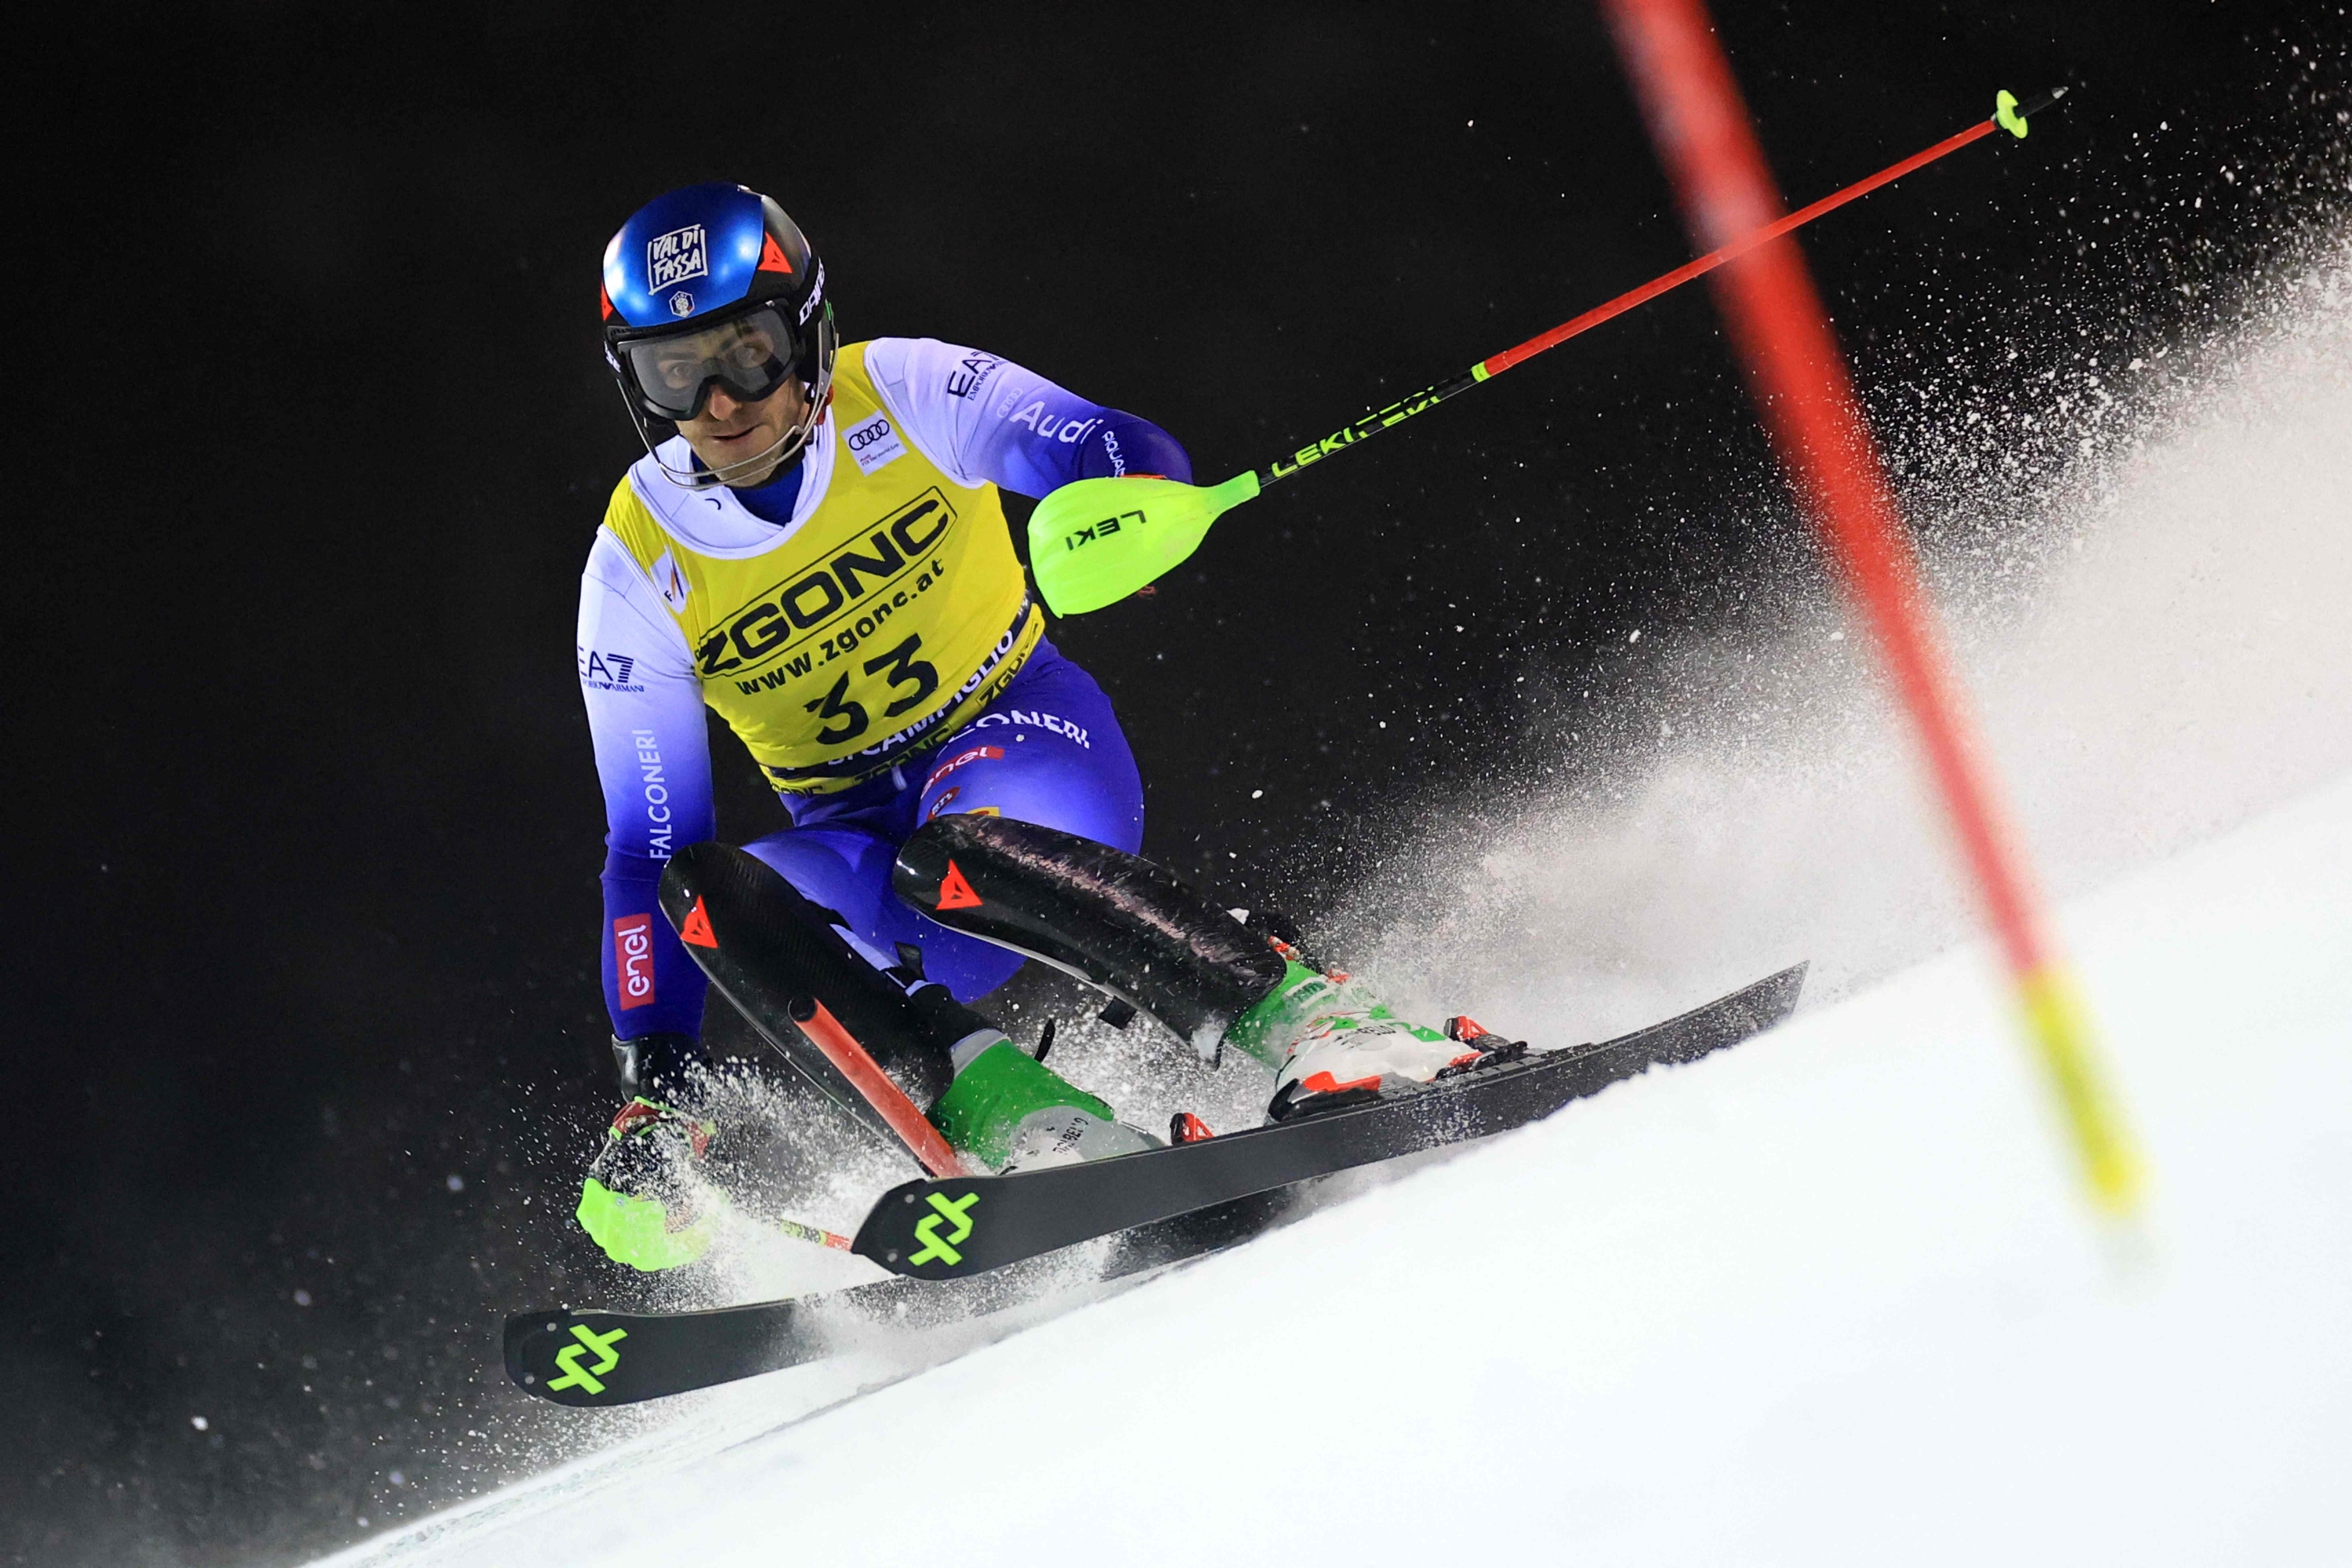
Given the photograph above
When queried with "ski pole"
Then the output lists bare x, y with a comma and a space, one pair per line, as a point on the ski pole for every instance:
801, 1230
866, 1076
1804, 394
1095, 541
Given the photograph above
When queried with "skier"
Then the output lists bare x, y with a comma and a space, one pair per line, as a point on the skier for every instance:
812, 545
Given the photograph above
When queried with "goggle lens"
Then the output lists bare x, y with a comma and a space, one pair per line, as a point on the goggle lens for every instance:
751, 356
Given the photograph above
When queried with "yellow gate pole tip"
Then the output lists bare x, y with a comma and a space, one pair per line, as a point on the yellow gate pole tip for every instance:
2058, 1026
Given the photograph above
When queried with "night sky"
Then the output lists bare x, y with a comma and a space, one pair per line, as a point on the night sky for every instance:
303, 919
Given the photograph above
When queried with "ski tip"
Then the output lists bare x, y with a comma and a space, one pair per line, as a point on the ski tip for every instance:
1728, 1019
567, 1358
527, 1367
922, 1223
1776, 995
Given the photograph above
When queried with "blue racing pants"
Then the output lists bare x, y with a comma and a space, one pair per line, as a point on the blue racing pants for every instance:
1048, 750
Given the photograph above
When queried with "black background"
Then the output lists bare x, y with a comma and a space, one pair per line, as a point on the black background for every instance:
302, 917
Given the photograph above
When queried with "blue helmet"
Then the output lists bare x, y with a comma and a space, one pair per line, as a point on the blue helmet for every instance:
713, 286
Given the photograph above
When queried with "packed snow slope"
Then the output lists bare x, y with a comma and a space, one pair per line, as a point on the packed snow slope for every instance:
1827, 1297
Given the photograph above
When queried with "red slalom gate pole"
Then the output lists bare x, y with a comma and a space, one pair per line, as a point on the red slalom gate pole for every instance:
1799, 376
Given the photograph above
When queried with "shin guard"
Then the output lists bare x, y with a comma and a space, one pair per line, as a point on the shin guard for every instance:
767, 948
1111, 919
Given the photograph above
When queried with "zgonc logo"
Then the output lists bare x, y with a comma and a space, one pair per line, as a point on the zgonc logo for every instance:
760, 629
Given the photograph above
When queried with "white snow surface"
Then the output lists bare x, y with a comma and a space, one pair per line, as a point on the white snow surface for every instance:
1827, 1297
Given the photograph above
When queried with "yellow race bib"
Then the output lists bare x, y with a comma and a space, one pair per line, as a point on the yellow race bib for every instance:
884, 622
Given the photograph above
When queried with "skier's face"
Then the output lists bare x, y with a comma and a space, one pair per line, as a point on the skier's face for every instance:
730, 430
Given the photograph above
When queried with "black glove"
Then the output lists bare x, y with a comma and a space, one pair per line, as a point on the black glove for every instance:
654, 1065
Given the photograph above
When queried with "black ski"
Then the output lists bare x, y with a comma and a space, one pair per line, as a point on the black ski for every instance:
1170, 1203
597, 1358
956, 1227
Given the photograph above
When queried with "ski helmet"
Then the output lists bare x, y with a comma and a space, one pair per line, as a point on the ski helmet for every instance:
712, 285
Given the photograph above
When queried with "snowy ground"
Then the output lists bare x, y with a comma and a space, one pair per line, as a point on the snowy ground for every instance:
1828, 1297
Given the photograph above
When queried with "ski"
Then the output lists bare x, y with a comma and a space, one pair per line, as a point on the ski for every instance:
960, 1226
1168, 1205
594, 1358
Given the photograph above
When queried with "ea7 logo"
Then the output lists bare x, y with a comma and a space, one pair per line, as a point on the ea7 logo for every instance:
607, 671
769, 622
633, 960
675, 257
1102, 530
972, 373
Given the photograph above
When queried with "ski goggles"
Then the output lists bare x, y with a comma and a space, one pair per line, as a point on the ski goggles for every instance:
751, 355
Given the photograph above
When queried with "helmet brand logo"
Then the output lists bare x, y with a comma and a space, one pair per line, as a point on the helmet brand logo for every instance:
675, 257
815, 294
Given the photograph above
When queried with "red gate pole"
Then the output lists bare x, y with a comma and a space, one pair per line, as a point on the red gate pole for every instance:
1802, 385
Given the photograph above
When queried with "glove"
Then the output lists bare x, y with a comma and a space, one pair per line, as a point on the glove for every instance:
656, 1065
640, 1201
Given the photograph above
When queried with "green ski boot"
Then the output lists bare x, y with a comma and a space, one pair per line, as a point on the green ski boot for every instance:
1331, 1045
1011, 1112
